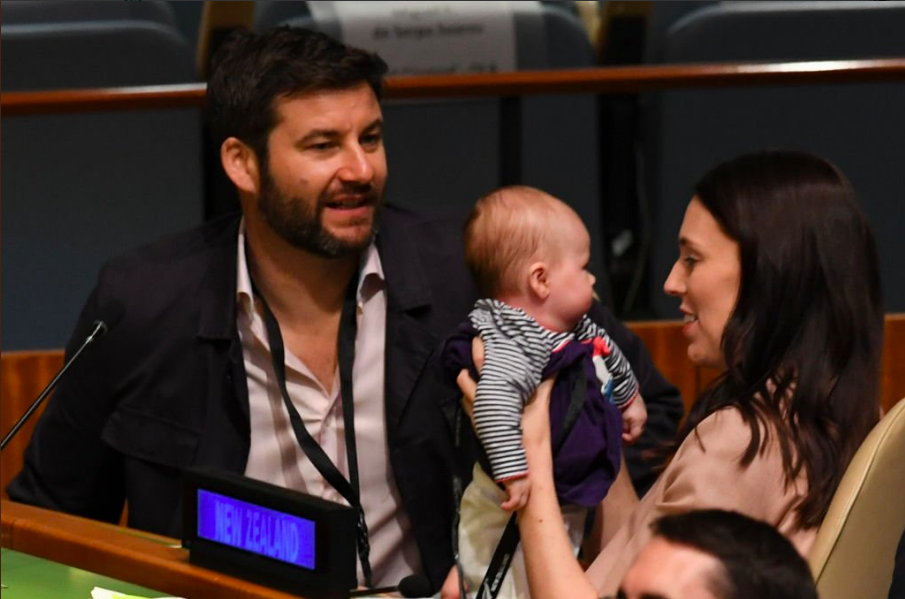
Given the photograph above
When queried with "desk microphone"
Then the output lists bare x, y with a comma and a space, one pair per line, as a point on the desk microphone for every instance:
414, 585
113, 315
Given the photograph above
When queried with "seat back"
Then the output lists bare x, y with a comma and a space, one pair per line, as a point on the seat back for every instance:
857, 126
82, 187
29, 12
855, 549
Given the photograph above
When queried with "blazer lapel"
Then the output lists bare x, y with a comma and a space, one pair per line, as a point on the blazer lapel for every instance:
409, 342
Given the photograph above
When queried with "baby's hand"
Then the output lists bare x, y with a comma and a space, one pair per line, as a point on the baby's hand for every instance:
633, 419
517, 490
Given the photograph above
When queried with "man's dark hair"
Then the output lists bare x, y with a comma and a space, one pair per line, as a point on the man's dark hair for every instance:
757, 560
250, 72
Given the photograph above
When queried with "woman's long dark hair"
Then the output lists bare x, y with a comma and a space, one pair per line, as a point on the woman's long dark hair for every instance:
802, 346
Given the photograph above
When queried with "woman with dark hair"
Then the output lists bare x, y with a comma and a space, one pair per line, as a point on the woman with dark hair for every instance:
778, 279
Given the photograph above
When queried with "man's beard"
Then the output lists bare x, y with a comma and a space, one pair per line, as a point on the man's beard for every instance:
301, 225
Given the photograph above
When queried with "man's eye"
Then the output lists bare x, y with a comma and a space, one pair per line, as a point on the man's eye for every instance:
690, 261
371, 140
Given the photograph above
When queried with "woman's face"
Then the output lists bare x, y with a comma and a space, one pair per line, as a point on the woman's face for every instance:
706, 278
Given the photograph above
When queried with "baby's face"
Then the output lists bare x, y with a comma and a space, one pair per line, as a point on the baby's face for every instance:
572, 286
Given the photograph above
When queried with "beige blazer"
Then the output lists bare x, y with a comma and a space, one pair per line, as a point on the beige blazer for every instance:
705, 473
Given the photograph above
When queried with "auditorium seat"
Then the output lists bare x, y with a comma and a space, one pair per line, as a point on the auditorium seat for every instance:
854, 553
444, 154
858, 126
82, 187
30, 12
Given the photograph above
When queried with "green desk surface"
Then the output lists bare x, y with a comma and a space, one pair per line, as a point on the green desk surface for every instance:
28, 577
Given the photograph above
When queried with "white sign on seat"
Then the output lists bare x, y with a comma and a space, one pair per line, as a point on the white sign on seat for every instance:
419, 38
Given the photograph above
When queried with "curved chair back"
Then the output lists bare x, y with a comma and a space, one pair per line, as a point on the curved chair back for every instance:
29, 12
856, 126
83, 187
855, 549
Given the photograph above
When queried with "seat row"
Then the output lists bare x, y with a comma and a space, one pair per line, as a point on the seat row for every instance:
82, 187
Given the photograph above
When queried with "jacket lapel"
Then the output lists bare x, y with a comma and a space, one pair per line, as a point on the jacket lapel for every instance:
409, 342
217, 302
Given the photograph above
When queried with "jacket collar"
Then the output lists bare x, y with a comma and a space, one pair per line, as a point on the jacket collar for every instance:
217, 291
409, 342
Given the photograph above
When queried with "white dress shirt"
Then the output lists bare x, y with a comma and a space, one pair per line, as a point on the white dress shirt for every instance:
275, 455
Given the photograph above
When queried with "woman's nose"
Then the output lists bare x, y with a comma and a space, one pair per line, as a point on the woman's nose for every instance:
675, 283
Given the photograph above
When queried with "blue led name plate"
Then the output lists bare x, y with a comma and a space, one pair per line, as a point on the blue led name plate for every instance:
268, 534
256, 529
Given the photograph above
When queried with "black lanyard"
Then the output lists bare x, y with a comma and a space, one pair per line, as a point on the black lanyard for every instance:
505, 550
349, 489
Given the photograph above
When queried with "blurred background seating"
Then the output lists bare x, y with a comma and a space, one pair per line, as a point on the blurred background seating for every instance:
80, 188
859, 127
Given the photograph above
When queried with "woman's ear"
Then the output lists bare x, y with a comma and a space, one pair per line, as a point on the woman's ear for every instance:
538, 280
241, 165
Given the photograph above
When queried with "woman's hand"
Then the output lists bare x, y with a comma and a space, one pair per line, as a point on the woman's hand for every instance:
450, 588
467, 385
536, 421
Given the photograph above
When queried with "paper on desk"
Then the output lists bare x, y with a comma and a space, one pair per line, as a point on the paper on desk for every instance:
99, 593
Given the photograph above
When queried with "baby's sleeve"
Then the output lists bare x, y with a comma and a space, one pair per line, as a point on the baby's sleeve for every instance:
624, 382
507, 380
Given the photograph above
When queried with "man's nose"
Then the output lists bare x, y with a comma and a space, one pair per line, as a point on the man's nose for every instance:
356, 165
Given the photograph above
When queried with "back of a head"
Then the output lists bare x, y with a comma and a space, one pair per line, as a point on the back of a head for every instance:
757, 560
507, 228
250, 72
808, 322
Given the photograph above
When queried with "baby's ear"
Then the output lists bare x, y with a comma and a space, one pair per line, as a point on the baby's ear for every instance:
538, 280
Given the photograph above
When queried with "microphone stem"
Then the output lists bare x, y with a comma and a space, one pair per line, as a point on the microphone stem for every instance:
99, 326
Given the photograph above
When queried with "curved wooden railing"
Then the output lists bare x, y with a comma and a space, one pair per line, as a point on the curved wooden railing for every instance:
603, 80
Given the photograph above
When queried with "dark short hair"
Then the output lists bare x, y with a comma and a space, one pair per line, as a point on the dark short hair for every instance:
251, 71
757, 560
803, 344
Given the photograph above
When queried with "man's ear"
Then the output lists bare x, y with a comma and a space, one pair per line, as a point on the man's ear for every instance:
241, 165
538, 280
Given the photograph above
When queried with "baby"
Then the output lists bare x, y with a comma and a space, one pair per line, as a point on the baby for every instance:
528, 253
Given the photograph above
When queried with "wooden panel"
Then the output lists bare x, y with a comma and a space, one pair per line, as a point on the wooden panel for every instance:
126, 554
667, 346
601, 80
23, 375
892, 381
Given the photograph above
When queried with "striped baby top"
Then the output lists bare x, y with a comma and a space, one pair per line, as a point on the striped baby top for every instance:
516, 350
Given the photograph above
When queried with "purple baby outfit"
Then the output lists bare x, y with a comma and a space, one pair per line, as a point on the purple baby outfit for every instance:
588, 460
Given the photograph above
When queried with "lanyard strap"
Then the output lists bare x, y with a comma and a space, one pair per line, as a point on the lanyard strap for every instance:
349, 489
505, 549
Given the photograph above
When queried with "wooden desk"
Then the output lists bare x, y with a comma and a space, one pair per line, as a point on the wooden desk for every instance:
130, 555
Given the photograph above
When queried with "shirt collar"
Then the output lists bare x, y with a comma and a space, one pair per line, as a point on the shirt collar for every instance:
370, 279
